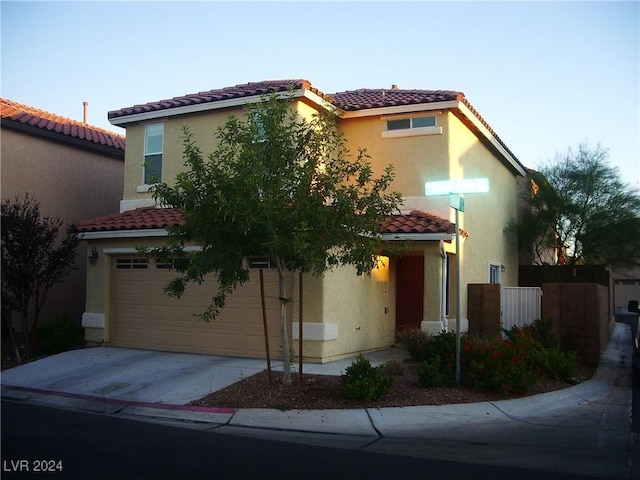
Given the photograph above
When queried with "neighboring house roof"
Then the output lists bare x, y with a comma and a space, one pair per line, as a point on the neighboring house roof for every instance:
18, 116
348, 103
148, 218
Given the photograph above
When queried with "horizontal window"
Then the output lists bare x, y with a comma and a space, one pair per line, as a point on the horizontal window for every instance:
132, 263
414, 122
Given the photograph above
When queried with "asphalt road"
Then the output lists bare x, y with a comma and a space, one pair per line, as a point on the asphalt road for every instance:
70, 445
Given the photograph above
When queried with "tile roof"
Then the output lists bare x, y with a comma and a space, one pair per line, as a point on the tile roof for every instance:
348, 101
366, 98
153, 218
138, 219
217, 95
417, 221
19, 114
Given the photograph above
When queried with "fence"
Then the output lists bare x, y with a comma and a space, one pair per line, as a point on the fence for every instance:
520, 306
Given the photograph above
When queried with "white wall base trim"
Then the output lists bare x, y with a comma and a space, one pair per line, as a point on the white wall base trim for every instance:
318, 332
432, 328
93, 320
464, 325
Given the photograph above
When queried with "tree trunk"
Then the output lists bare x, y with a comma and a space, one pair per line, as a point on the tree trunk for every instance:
286, 355
6, 314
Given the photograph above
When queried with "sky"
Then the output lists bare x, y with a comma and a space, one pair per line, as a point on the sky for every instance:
546, 76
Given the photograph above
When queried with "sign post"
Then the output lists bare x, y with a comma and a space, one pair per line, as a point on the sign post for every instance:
454, 188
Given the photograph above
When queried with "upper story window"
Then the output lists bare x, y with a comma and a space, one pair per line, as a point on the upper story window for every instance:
413, 126
415, 122
153, 141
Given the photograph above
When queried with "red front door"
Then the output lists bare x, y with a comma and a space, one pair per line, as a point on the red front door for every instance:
409, 292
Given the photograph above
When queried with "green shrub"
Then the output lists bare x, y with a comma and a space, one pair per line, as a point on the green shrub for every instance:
431, 374
57, 336
414, 341
361, 381
393, 368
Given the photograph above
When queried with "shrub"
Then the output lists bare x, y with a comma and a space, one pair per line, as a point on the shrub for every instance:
57, 336
431, 374
414, 341
393, 368
361, 381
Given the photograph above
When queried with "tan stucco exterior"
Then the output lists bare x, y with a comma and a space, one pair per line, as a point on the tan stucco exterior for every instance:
71, 183
344, 313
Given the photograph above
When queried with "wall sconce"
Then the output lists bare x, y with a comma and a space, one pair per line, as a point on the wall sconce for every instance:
503, 268
93, 256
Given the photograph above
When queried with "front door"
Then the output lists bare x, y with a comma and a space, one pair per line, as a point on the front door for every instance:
409, 292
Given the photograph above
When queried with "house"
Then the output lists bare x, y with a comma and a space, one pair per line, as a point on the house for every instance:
74, 169
427, 135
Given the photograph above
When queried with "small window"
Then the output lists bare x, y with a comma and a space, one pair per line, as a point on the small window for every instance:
414, 122
132, 263
399, 124
259, 262
153, 140
494, 273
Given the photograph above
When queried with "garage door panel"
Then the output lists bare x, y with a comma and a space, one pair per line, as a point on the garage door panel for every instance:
143, 316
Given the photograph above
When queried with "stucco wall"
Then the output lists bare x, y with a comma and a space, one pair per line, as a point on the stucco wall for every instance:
72, 184
360, 309
202, 126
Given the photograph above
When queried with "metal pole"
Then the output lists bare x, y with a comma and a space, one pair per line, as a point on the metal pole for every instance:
458, 302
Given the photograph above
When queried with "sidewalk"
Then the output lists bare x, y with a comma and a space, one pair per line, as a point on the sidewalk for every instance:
583, 429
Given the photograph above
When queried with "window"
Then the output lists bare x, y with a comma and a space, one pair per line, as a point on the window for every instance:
131, 263
494, 273
153, 139
415, 122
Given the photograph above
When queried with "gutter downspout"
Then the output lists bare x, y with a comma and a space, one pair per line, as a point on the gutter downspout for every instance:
443, 289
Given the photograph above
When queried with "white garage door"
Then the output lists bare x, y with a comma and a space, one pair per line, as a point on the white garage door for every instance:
142, 316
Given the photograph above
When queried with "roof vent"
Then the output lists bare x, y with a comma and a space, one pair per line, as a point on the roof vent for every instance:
85, 111
394, 87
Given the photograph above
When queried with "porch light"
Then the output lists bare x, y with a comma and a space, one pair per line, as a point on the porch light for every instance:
93, 256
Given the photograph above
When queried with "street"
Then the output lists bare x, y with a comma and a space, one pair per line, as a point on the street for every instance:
63, 444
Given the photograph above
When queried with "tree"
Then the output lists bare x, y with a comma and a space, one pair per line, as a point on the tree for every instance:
276, 186
33, 258
581, 207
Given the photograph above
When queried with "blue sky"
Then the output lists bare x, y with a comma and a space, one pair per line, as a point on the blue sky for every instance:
546, 76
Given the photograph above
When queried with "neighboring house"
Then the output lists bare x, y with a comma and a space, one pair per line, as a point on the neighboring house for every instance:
427, 136
75, 170
626, 288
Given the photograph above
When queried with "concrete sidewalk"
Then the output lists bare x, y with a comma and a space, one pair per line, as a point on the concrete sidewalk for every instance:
584, 429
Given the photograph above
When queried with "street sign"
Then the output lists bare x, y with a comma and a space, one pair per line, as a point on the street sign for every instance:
466, 185
456, 202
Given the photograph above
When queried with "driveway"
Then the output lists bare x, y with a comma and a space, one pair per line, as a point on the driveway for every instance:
141, 376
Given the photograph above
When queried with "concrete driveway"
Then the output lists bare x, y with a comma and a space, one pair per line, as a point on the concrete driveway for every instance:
141, 376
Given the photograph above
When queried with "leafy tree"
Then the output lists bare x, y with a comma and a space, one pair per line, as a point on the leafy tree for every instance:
276, 186
33, 258
581, 207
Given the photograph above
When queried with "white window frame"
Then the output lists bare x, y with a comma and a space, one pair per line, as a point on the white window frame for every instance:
495, 267
411, 131
145, 185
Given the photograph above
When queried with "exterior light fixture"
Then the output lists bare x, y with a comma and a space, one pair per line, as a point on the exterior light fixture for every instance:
93, 256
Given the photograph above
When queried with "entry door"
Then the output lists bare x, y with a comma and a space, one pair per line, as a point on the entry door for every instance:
409, 292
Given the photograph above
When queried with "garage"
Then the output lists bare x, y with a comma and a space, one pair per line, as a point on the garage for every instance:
142, 316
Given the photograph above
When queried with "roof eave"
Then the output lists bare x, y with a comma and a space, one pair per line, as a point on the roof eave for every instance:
216, 105
110, 234
417, 236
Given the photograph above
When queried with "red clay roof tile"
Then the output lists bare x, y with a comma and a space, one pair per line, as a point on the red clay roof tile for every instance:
138, 219
152, 218
351, 100
417, 222
29, 116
